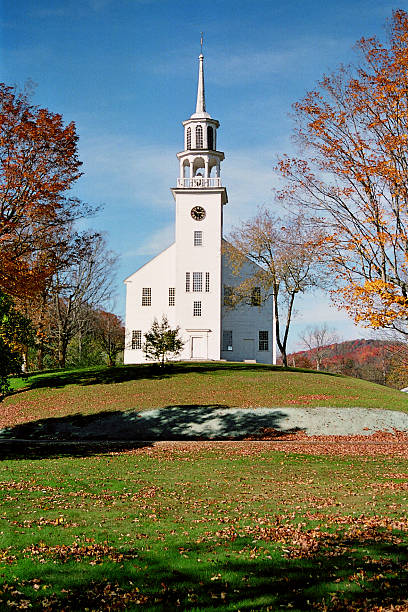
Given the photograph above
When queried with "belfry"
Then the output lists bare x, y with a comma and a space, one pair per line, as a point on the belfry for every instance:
190, 282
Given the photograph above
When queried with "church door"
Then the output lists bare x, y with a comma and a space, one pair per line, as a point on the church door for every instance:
197, 348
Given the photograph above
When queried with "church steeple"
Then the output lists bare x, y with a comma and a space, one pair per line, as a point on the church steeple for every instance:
200, 105
200, 160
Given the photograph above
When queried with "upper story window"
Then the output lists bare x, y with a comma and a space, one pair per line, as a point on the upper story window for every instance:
187, 281
228, 291
196, 309
172, 296
146, 296
137, 339
256, 296
207, 282
210, 138
198, 238
197, 281
199, 137
263, 340
188, 138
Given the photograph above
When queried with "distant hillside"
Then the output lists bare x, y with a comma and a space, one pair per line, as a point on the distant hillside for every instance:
376, 360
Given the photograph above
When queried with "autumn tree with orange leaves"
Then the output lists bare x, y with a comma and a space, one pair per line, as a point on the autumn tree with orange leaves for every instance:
38, 165
353, 175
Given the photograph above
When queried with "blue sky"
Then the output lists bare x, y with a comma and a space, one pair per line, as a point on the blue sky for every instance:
125, 71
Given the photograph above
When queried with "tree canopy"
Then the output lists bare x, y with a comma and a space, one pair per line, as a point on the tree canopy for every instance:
353, 174
38, 165
286, 257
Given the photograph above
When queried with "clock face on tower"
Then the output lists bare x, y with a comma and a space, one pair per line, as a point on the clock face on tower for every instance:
198, 213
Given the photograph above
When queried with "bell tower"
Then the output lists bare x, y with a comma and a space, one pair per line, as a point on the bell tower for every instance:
199, 198
200, 161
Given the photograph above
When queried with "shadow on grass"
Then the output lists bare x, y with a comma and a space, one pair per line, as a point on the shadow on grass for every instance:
55, 449
186, 422
353, 575
97, 376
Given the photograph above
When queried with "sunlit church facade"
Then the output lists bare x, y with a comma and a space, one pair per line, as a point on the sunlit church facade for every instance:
191, 281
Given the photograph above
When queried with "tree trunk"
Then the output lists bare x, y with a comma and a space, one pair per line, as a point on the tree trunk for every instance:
40, 356
62, 353
25, 361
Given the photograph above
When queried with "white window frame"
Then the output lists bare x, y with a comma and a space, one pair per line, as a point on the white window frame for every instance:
197, 282
207, 282
172, 296
136, 339
227, 340
198, 238
228, 293
197, 309
146, 296
187, 282
263, 340
256, 297
199, 137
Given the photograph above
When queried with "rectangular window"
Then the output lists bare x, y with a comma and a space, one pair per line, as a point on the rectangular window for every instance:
207, 282
198, 238
228, 296
196, 309
197, 281
172, 296
146, 296
263, 340
136, 339
187, 281
227, 340
256, 296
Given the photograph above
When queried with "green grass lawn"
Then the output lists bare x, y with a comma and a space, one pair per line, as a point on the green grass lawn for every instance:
93, 390
222, 527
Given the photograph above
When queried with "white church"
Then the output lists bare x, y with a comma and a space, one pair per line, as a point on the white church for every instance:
191, 282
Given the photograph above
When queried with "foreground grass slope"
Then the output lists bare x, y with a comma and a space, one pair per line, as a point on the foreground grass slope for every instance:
203, 527
93, 390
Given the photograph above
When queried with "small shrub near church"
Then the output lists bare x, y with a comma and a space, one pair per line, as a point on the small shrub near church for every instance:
161, 342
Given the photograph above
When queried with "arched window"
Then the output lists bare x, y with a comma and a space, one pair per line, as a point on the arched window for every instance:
188, 138
199, 137
210, 138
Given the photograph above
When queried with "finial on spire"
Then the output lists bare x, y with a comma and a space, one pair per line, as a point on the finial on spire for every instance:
201, 42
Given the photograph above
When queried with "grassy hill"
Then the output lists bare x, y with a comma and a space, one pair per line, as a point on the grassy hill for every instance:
93, 390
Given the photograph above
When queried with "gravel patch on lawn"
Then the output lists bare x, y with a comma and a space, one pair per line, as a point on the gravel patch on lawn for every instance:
211, 423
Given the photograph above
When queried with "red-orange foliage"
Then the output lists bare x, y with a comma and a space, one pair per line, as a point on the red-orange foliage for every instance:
110, 333
38, 164
354, 131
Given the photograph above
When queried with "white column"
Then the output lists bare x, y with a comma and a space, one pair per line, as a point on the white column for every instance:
274, 355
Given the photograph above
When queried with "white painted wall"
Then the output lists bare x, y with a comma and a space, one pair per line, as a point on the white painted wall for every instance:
159, 274
245, 321
205, 258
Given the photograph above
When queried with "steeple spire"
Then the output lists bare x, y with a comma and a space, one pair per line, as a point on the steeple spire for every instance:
200, 111
200, 106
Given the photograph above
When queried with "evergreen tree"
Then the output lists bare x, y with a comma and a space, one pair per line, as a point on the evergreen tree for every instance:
161, 341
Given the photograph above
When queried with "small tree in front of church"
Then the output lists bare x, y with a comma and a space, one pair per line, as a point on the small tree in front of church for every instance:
161, 342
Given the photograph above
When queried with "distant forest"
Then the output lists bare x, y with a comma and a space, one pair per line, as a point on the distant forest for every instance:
378, 361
